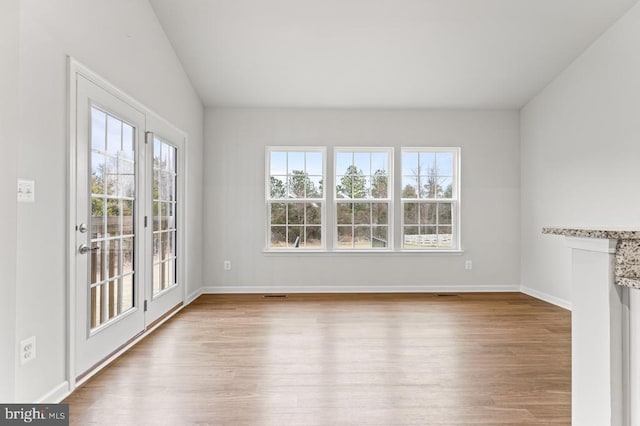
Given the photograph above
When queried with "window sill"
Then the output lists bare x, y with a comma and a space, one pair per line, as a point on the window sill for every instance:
339, 253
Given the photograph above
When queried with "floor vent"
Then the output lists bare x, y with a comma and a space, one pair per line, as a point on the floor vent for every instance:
281, 296
447, 295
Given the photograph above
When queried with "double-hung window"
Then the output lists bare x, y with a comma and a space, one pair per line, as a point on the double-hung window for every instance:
430, 198
363, 195
295, 197
361, 191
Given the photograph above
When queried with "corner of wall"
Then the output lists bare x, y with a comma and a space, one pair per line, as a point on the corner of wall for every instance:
9, 101
546, 297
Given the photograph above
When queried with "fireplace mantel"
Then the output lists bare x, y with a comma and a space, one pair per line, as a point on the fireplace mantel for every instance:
627, 250
605, 320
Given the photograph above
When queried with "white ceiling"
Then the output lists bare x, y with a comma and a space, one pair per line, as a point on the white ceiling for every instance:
380, 53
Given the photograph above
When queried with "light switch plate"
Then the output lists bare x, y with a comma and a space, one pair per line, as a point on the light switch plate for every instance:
26, 191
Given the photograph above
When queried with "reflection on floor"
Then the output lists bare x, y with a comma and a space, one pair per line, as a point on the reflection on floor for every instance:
366, 359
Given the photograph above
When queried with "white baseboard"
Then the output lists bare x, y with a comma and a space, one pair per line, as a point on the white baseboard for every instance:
55, 395
357, 289
379, 289
193, 296
546, 297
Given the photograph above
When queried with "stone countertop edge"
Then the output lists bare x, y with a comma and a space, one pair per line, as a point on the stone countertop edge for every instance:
617, 234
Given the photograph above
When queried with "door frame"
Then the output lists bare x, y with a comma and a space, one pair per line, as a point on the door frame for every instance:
75, 69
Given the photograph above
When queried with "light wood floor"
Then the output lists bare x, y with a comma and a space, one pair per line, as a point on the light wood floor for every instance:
397, 359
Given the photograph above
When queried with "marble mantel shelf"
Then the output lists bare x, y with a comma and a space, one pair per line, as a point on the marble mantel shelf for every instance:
627, 271
614, 234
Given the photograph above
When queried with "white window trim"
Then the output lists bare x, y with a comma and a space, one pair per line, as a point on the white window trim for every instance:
329, 219
390, 200
456, 201
268, 199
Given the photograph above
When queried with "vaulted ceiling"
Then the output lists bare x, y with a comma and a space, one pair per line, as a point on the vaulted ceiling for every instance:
380, 53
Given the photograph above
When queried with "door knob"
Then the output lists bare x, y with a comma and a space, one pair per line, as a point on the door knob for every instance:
84, 249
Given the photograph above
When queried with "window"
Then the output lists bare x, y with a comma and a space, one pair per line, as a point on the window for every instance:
430, 203
295, 198
361, 189
363, 197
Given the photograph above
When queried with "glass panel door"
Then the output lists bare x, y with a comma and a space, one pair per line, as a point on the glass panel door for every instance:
166, 288
165, 180
109, 233
128, 241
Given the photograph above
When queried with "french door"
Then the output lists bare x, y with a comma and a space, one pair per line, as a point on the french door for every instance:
164, 149
127, 236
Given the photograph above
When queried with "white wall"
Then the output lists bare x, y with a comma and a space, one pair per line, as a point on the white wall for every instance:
235, 209
122, 41
580, 154
9, 31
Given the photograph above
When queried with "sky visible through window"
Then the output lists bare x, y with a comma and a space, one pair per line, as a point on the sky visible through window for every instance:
367, 162
296, 161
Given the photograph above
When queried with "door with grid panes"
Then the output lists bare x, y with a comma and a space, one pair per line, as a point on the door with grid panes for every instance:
127, 237
165, 290
109, 233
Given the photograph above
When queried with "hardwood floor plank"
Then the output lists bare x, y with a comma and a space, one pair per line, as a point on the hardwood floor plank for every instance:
342, 359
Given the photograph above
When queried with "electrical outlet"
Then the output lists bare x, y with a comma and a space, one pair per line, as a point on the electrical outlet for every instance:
26, 191
468, 265
27, 350
227, 265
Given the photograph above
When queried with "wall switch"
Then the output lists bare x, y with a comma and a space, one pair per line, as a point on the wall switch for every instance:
468, 265
27, 350
227, 265
26, 191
